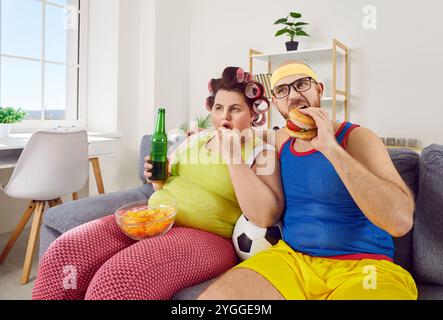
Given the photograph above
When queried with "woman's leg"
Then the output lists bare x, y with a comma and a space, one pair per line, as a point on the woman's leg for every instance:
157, 268
69, 264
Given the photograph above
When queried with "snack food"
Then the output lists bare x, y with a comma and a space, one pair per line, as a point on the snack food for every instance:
141, 221
300, 125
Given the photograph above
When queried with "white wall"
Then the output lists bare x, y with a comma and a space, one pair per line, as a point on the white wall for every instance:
121, 83
149, 50
395, 70
103, 52
172, 60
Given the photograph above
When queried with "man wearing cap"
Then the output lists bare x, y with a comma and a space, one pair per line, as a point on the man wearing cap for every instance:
344, 203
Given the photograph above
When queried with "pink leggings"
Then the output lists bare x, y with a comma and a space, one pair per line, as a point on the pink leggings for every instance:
97, 261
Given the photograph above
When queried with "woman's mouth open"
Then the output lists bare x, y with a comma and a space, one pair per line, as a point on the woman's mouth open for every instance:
227, 125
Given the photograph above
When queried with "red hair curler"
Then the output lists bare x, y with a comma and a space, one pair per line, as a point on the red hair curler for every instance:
261, 106
253, 90
240, 75
260, 121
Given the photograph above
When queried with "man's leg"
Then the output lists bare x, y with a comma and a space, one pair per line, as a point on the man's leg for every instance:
354, 290
375, 280
241, 284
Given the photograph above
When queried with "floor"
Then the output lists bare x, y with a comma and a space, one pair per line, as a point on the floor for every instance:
11, 269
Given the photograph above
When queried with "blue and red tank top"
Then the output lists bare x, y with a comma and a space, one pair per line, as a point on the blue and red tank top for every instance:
321, 219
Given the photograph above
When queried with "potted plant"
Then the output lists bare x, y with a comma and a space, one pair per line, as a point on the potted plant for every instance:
292, 29
177, 135
201, 122
8, 116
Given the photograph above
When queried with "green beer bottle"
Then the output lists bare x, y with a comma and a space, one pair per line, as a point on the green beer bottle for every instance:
159, 149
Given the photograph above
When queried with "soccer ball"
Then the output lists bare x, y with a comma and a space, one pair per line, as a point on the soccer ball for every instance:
250, 239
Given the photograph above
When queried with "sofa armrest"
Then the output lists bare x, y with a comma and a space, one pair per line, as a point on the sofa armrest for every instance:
72, 214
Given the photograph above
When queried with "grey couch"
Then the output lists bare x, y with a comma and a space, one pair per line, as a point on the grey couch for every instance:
420, 251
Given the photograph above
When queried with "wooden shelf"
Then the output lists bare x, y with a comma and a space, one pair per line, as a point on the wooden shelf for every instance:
295, 55
411, 148
329, 99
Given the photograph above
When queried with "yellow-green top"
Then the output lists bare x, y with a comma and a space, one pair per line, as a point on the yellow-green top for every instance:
202, 187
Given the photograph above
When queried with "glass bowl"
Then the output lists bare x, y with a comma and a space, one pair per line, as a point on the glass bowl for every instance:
141, 220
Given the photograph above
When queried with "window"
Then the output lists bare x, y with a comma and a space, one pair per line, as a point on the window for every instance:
41, 59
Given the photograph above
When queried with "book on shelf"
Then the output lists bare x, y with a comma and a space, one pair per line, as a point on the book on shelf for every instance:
265, 80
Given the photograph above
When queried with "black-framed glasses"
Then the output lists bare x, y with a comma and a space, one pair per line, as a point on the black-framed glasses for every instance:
299, 85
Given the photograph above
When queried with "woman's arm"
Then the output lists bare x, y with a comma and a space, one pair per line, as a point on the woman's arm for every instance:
258, 189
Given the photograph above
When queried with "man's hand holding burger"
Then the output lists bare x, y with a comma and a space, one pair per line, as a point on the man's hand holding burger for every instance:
323, 138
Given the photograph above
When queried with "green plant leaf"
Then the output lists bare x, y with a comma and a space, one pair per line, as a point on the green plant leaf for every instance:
283, 31
203, 122
302, 33
300, 24
295, 15
11, 115
280, 21
185, 126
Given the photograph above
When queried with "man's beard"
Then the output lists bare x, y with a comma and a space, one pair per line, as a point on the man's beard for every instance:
298, 103
295, 105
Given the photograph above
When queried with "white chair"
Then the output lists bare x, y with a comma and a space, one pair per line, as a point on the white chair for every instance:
53, 163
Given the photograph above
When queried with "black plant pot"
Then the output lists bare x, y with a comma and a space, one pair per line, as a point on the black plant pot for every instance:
292, 45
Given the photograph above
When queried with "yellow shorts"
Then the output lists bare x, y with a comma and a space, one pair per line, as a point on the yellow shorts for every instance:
298, 276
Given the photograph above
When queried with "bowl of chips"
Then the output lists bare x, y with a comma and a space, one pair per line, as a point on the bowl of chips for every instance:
141, 220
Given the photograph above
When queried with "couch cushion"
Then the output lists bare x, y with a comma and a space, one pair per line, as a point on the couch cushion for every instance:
407, 163
429, 292
192, 292
72, 214
145, 149
427, 243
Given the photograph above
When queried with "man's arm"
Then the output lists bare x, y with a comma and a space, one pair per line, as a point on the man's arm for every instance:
367, 173
373, 182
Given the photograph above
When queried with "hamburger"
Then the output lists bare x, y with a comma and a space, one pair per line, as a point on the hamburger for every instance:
300, 125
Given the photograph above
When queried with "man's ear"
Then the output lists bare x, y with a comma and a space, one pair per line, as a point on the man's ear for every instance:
320, 88
273, 102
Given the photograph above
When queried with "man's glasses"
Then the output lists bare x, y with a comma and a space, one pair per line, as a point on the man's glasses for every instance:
299, 85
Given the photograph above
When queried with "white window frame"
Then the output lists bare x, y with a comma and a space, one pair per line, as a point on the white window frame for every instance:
81, 122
